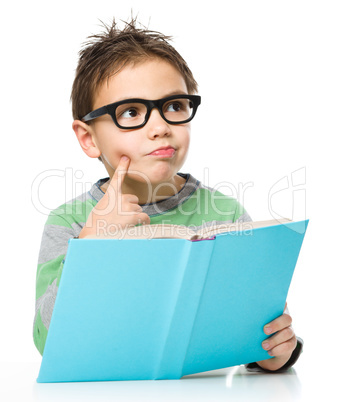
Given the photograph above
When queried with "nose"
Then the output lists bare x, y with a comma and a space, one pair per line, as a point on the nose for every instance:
156, 125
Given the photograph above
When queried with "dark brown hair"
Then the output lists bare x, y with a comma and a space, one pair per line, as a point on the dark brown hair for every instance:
105, 54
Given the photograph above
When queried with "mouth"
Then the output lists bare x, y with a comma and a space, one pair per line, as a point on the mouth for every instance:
163, 152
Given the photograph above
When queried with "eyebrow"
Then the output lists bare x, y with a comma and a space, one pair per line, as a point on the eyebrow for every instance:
165, 96
175, 93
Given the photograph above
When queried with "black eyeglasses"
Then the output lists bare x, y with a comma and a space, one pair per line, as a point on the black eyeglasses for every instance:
135, 113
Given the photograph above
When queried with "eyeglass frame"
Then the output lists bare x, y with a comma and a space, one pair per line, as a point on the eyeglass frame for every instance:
150, 104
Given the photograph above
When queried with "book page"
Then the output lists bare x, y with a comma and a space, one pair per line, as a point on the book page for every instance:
238, 226
166, 231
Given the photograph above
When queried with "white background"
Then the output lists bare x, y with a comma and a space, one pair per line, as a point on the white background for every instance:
267, 76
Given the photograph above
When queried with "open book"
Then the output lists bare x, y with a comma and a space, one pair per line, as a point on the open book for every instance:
143, 309
166, 231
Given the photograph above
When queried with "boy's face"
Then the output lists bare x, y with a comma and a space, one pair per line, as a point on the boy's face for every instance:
152, 79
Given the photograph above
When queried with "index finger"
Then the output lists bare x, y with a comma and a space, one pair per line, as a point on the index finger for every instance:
120, 173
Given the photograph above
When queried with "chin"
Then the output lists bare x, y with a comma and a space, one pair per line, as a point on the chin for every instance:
163, 173
156, 175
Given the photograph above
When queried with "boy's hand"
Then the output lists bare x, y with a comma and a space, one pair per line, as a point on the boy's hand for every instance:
281, 344
115, 210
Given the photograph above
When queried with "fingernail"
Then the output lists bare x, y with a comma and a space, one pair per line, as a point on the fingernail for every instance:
270, 353
125, 158
267, 329
265, 345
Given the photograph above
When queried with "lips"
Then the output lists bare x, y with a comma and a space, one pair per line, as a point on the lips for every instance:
166, 152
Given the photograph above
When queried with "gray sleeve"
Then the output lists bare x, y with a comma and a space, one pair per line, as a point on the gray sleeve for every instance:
54, 245
245, 217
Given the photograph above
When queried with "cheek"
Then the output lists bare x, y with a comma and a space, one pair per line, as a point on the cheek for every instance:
185, 137
131, 152
187, 141
117, 151
113, 147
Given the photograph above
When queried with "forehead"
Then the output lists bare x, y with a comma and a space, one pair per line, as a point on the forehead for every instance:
150, 79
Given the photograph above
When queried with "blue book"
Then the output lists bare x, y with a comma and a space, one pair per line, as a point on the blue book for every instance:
146, 309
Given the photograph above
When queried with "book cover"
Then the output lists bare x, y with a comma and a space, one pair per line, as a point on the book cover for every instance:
164, 308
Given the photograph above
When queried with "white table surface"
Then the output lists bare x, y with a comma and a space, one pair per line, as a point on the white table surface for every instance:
301, 383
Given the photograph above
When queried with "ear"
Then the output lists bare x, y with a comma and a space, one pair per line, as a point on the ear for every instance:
85, 137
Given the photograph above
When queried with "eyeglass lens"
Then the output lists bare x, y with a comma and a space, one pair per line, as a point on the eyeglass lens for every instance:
134, 114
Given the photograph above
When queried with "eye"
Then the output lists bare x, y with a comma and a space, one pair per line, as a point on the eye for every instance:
174, 107
129, 113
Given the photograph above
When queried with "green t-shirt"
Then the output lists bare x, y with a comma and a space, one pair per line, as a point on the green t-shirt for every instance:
195, 205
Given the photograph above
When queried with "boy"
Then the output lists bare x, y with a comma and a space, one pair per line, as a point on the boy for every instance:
133, 99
